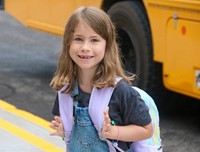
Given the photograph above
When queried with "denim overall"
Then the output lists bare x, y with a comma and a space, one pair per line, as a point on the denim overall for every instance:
84, 135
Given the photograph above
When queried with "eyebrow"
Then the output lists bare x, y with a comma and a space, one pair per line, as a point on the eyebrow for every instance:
95, 36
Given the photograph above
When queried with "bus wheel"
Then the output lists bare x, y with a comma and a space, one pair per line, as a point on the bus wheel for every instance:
135, 41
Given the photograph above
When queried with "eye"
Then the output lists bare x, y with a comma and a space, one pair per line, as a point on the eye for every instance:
78, 39
95, 40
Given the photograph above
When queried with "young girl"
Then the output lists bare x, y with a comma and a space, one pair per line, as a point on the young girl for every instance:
90, 60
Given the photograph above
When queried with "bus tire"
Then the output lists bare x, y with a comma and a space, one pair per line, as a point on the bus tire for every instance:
135, 41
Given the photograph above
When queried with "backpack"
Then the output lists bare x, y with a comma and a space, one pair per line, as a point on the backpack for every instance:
99, 100
154, 143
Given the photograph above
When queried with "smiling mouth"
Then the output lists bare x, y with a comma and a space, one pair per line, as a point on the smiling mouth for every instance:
85, 56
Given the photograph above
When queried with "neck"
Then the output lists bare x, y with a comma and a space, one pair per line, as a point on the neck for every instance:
84, 80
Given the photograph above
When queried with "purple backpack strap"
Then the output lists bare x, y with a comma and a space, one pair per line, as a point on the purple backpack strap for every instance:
66, 112
99, 101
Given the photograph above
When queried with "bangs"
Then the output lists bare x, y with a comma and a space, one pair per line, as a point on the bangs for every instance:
96, 20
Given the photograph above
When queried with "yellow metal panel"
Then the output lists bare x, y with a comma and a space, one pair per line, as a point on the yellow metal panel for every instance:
178, 52
160, 11
182, 58
17, 9
46, 15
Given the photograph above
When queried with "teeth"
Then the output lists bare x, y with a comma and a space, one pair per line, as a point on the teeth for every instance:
85, 57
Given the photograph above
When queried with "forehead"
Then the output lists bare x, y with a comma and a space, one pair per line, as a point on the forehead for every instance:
84, 28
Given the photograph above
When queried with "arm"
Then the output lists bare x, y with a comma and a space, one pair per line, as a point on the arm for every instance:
127, 133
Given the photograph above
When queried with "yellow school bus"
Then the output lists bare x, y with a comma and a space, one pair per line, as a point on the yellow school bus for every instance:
160, 39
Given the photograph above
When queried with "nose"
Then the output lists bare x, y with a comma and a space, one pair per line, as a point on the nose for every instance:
85, 47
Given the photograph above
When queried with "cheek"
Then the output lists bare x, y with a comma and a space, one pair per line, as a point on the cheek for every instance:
101, 53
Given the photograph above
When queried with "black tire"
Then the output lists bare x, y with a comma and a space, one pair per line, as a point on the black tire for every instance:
134, 40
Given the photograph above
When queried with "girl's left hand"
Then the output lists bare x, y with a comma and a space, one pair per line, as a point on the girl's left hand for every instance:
107, 127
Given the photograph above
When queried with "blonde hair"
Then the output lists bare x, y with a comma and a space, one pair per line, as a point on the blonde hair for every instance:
109, 67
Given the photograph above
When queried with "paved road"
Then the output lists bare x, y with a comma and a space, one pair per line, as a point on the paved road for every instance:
28, 61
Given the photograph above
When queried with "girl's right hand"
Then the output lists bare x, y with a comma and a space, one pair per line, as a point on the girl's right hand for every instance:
57, 125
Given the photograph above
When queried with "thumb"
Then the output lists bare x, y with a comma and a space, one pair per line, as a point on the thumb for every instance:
106, 116
53, 134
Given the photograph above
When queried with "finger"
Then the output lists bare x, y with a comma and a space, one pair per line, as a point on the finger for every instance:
106, 112
54, 134
106, 109
104, 128
58, 119
106, 131
53, 126
56, 123
106, 116
108, 126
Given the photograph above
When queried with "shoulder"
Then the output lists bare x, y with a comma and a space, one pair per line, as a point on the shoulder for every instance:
128, 103
125, 95
123, 88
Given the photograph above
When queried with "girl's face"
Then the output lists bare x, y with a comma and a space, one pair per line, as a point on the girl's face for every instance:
87, 48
